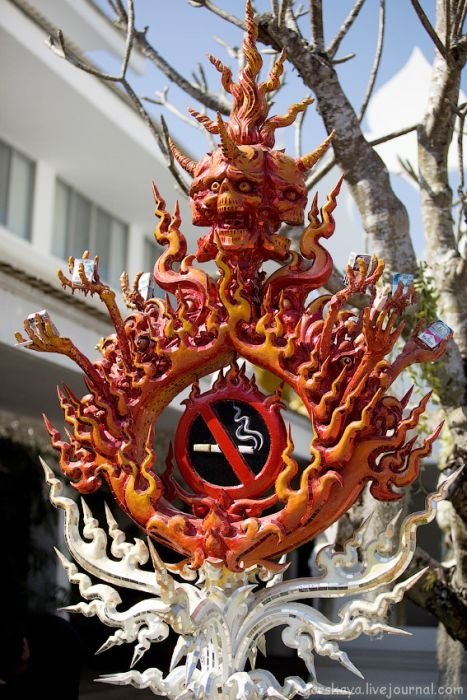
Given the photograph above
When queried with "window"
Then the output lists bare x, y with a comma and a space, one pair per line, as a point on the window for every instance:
80, 225
16, 191
152, 251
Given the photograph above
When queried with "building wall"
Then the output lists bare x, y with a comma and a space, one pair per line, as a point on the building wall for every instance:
58, 125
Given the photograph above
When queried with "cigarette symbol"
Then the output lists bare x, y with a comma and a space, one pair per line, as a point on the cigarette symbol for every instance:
207, 447
245, 433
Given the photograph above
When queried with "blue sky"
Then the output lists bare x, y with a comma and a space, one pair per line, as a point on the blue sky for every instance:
184, 35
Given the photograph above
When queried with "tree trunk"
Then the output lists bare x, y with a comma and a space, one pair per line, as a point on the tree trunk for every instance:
384, 217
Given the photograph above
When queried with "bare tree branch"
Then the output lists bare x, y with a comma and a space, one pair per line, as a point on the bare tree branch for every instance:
290, 20
393, 135
462, 113
210, 100
233, 51
120, 8
317, 29
364, 170
348, 22
201, 78
298, 132
62, 51
434, 138
459, 488
283, 11
314, 179
344, 59
377, 61
434, 593
217, 11
301, 12
429, 28
408, 168
113, 6
461, 12
125, 22
460, 218
161, 100
447, 30
155, 131
448, 267
171, 161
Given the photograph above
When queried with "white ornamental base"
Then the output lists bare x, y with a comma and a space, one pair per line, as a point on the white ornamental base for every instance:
221, 617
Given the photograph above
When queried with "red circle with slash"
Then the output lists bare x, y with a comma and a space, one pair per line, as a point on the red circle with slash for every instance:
230, 440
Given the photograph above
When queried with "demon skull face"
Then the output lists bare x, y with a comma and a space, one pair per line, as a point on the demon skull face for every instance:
244, 200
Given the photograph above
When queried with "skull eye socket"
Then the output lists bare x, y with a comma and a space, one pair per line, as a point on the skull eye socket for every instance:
291, 194
245, 186
142, 343
345, 361
215, 186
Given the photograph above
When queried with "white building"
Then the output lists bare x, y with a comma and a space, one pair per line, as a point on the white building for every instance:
76, 165
75, 159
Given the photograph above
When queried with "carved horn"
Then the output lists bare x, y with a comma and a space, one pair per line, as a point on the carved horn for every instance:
229, 149
307, 162
270, 125
225, 71
186, 163
204, 120
275, 74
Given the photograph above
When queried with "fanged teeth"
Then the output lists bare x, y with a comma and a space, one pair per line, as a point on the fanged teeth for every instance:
233, 220
234, 225
233, 235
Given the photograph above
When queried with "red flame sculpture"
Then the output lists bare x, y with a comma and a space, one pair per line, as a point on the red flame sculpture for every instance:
242, 498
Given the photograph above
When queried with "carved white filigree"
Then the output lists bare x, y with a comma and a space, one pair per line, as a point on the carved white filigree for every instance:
221, 617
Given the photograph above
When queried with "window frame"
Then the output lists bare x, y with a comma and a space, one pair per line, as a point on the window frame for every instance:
26, 233
67, 240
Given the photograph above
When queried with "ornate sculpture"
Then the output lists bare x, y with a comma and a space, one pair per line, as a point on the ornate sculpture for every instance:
221, 619
242, 501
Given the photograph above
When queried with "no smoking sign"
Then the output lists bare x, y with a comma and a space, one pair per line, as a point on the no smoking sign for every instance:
230, 439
